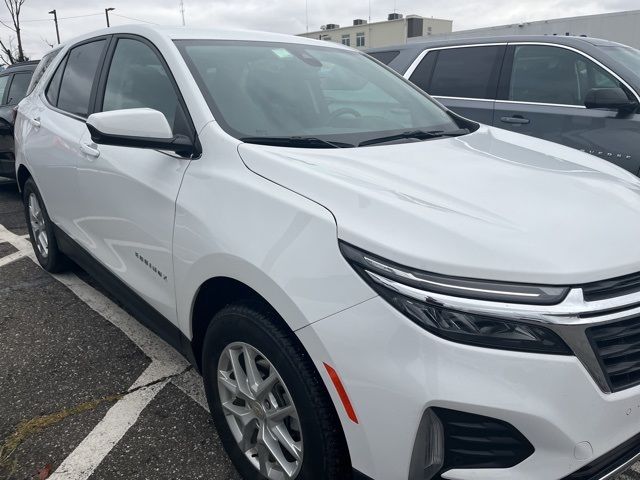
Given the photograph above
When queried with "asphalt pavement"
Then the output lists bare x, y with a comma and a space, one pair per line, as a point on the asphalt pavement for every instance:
86, 392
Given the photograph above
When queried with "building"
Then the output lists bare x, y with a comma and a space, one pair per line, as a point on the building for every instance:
619, 27
395, 30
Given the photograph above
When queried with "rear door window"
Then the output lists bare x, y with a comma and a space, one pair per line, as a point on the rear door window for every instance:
18, 88
469, 72
53, 89
78, 77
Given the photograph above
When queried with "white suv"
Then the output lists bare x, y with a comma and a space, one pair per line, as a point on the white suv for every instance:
371, 285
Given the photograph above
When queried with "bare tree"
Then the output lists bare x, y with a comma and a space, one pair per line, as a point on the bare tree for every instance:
8, 52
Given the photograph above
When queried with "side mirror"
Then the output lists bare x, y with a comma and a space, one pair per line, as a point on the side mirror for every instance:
138, 128
612, 98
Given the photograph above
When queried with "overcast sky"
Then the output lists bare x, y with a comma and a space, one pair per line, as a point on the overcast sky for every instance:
285, 16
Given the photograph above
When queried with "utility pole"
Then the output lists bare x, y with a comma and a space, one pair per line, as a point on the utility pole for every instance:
306, 5
55, 20
106, 14
182, 11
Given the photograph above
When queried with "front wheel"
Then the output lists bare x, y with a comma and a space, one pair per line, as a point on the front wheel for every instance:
272, 412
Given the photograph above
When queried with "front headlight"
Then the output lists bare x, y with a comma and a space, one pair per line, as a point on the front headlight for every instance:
409, 291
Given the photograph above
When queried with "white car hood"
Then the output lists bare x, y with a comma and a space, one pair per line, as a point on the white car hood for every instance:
489, 205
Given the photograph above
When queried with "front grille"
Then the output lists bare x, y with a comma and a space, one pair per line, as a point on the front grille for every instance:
617, 346
475, 441
614, 287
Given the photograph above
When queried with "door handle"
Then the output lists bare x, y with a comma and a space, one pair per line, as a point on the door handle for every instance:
516, 119
35, 122
89, 150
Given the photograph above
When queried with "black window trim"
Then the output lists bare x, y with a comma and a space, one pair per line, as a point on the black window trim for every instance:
414, 65
504, 84
101, 84
63, 64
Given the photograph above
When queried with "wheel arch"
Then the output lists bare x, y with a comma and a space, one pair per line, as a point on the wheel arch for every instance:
22, 176
213, 295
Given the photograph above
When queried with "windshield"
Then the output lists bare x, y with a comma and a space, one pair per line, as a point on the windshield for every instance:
264, 90
627, 56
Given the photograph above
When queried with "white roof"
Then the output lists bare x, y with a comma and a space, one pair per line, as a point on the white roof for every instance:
186, 33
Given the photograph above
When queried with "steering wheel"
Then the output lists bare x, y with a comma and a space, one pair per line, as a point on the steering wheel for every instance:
344, 111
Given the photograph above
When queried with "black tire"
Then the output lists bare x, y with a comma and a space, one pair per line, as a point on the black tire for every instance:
325, 453
53, 261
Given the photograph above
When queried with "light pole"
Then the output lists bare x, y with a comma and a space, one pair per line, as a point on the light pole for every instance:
55, 20
106, 14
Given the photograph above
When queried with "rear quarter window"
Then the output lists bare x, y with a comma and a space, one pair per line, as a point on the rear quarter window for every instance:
385, 57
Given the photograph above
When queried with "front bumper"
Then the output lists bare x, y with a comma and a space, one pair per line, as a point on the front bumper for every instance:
393, 370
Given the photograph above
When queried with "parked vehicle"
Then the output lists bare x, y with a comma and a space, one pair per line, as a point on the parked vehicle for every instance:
14, 81
578, 91
371, 285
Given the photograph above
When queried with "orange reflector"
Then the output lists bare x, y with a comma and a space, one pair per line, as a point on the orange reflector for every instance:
342, 393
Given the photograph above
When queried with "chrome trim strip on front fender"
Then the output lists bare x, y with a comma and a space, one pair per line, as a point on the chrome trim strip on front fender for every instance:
573, 310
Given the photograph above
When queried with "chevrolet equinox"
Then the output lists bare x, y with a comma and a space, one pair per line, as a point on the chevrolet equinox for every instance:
371, 285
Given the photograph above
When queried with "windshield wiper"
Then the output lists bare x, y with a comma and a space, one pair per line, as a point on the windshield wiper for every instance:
300, 142
418, 134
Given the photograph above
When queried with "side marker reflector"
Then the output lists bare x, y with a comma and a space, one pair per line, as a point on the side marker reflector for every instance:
342, 393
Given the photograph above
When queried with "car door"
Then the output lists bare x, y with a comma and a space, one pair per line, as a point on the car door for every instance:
542, 93
128, 194
55, 122
463, 78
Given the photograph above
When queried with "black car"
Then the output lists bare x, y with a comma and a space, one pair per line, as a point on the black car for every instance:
14, 83
578, 91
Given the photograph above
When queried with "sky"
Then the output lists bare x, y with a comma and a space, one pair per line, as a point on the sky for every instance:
283, 16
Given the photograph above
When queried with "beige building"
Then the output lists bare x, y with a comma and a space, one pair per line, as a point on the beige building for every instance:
395, 30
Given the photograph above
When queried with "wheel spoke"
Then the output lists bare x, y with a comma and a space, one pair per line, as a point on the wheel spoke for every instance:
44, 240
253, 374
263, 458
281, 433
241, 376
228, 383
275, 449
279, 414
265, 386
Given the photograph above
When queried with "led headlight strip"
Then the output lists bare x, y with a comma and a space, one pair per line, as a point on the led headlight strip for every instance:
410, 292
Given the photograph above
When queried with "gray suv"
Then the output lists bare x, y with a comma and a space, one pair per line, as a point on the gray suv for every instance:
578, 91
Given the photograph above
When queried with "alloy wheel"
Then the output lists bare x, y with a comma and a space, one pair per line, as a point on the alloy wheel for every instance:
260, 411
38, 226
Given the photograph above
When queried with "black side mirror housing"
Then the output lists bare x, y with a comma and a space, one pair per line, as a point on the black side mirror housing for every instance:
180, 144
611, 98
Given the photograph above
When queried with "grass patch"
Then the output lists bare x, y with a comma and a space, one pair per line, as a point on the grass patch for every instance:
27, 428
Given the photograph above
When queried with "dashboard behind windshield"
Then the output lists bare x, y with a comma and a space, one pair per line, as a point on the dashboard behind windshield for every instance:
260, 89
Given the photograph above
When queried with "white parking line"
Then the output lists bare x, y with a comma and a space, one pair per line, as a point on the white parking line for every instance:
165, 362
12, 257
82, 462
